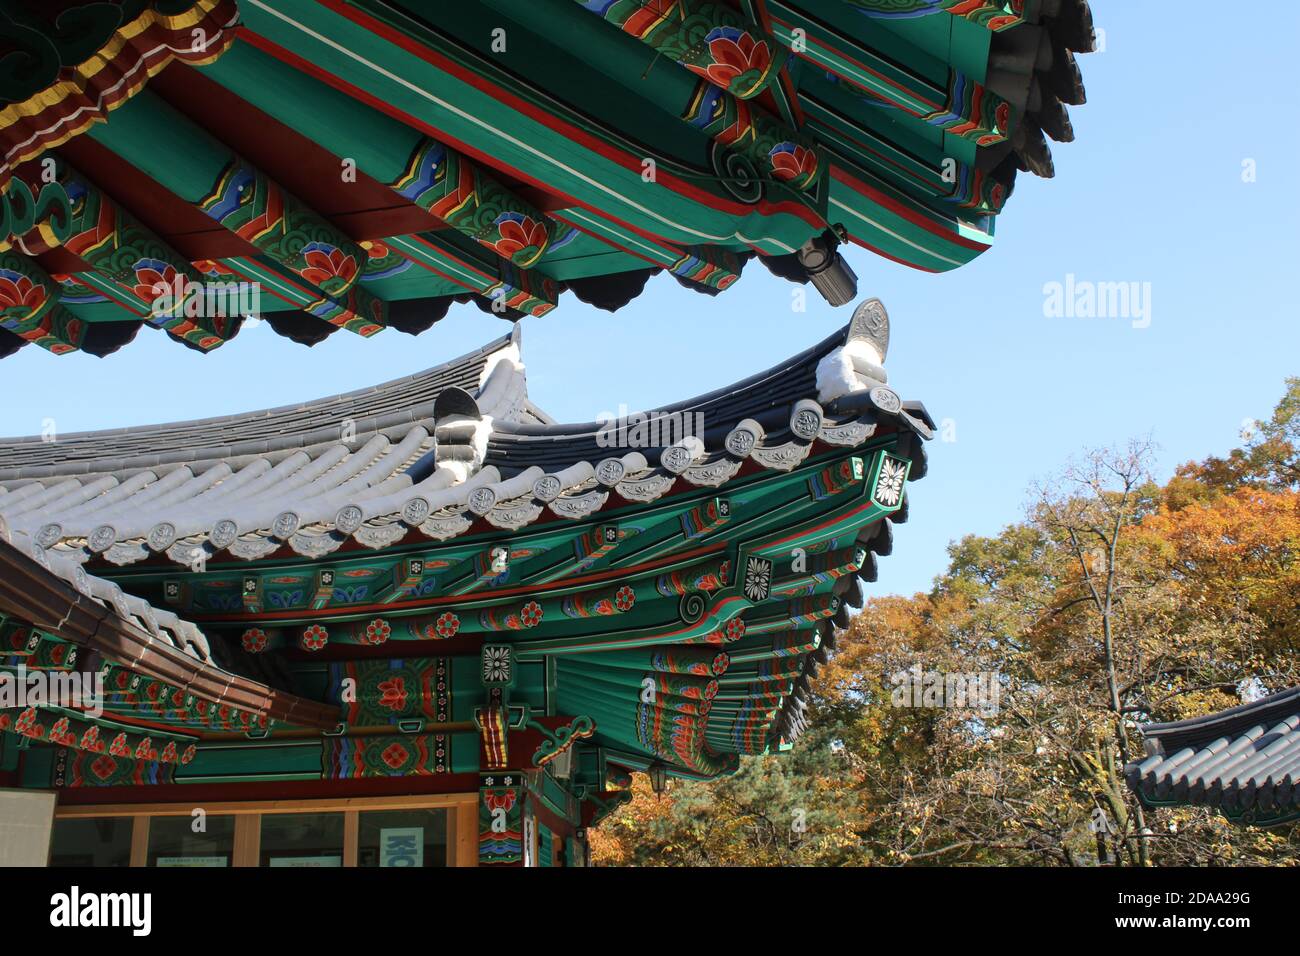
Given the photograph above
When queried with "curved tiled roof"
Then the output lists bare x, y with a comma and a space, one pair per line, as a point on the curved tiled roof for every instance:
390, 409
1245, 761
470, 456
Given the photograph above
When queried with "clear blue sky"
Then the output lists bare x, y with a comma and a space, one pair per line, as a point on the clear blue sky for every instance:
1151, 191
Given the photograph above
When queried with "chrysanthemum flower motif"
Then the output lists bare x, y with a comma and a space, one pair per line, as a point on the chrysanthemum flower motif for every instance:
447, 625
625, 598
254, 640
531, 614
377, 631
735, 629
758, 579
889, 486
496, 664
314, 637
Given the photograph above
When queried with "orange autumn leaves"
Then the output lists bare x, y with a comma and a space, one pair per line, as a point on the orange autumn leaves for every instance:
1240, 550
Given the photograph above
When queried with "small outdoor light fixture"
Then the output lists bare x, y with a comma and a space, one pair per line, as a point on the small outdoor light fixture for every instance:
827, 270
658, 772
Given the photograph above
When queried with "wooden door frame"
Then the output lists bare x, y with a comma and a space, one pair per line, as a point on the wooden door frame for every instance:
462, 821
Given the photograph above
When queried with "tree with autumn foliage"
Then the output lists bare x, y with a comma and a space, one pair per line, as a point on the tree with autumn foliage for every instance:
1114, 603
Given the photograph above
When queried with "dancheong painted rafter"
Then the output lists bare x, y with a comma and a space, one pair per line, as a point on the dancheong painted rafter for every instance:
431, 586
365, 165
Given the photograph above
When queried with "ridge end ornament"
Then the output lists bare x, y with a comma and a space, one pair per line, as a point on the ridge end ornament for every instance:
871, 322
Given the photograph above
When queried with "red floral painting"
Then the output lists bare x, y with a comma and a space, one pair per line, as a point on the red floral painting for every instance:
328, 266
735, 54
19, 293
516, 234
791, 162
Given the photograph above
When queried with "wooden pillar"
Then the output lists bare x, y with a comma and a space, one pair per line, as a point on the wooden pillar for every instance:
140, 840
248, 839
351, 830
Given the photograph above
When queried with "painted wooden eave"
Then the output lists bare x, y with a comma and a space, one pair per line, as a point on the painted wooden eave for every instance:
150, 641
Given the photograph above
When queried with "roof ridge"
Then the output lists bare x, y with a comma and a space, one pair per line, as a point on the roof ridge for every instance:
513, 337
392, 405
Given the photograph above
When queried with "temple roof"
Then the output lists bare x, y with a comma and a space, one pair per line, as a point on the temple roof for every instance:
449, 458
1244, 761
366, 166
709, 548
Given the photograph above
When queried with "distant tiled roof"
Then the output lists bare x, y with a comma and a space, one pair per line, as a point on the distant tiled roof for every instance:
1244, 761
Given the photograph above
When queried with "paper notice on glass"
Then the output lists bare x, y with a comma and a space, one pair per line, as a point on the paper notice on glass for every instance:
192, 861
306, 861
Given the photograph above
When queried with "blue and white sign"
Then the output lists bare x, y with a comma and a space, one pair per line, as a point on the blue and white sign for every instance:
401, 846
